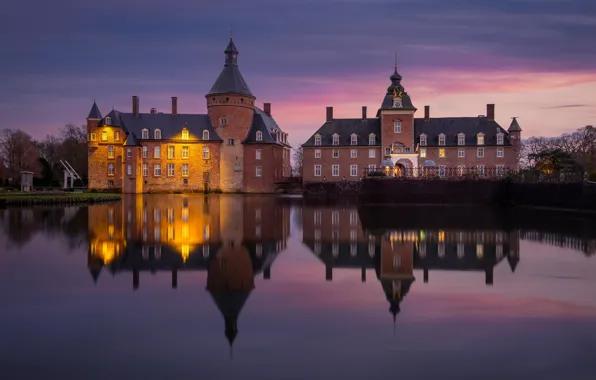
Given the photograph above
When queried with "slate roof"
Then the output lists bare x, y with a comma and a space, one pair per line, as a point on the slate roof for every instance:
452, 126
264, 123
345, 128
94, 112
230, 81
131, 140
514, 127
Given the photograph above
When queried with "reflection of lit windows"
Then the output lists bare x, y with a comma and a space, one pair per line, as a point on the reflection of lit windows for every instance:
129, 217
353, 218
371, 249
157, 253
259, 250
145, 252
353, 249
422, 249
111, 232
144, 215
335, 235
371, 238
206, 232
170, 232
441, 250
111, 215
499, 251
170, 215
335, 217
205, 251
318, 248
441, 236
185, 252
499, 237
335, 249
317, 218
156, 215
396, 261
461, 236
185, 231
317, 234
353, 235
422, 235
145, 234
460, 250
185, 214
479, 250
157, 233
258, 215
258, 231
480, 237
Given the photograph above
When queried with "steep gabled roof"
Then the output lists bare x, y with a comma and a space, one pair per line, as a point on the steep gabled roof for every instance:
94, 112
345, 128
265, 124
131, 140
452, 126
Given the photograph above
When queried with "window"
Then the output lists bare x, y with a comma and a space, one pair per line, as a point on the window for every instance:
354, 139
423, 140
371, 153
422, 152
206, 152
110, 151
335, 170
442, 152
317, 170
258, 154
317, 153
372, 168
354, 170
171, 151
129, 169
185, 134
317, 140
461, 152
500, 152
104, 135
353, 153
335, 153
110, 183
129, 152
145, 151
480, 139
157, 152
481, 170
461, 139
441, 170
157, 170
397, 126
371, 139
500, 170
116, 136
223, 122
259, 136
110, 169
499, 138
108, 120
170, 170
184, 170
480, 152
387, 151
258, 171
442, 139
230, 141
185, 152
145, 170
93, 136
145, 134
335, 139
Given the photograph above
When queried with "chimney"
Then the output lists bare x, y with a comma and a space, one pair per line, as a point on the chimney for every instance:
329, 113
490, 111
153, 110
135, 106
427, 112
267, 108
174, 105
363, 112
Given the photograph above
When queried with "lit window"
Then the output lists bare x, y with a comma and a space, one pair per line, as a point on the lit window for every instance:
108, 120
157, 152
461, 152
185, 134
354, 170
145, 151
317, 140
145, 170
171, 151
371, 153
353, 153
423, 140
442, 152
116, 136
170, 170
258, 154
206, 152
335, 139
104, 135
480, 152
397, 126
157, 170
259, 136
145, 134
461, 139
422, 152
185, 152
258, 171
500, 152
317, 170
184, 170
335, 170
441, 139
371, 139
500, 139
93, 137
317, 153
335, 153
110, 169
354, 139
110, 151
480, 137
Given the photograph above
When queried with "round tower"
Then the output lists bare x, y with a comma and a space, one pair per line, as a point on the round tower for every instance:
230, 106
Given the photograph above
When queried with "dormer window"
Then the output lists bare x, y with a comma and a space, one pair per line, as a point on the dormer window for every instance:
397, 126
157, 134
259, 136
145, 134
335, 139
185, 134
480, 139
108, 120
354, 139
317, 140
205, 134
372, 139
442, 139
500, 138
461, 139
423, 140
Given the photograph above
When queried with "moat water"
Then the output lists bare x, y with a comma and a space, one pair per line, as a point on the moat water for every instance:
263, 287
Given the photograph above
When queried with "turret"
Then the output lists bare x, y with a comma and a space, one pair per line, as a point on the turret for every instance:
515, 136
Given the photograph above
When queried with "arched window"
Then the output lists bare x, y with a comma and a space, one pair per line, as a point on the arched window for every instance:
145, 134
205, 134
500, 138
423, 140
157, 134
108, 120
335, 139
185, 134
372, 139
442, 139
461, 139
354, 139
259, 136
480, 138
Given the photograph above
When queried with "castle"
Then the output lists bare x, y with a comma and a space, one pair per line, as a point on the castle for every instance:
235, 147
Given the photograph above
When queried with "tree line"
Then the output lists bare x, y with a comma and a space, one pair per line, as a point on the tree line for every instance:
20, 152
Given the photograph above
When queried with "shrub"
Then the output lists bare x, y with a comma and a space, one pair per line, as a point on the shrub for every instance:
377, 174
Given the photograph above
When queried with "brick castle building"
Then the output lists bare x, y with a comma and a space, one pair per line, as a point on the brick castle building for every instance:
235, 147
401, 145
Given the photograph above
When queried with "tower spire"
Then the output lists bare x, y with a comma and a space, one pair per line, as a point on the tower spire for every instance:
395, 60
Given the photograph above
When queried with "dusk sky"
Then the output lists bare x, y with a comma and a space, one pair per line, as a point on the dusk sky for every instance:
535, 59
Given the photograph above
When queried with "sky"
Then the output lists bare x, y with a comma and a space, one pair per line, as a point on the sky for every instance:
534, 59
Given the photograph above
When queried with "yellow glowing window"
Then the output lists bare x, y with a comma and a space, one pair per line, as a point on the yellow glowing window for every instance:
171, 152
185, 134
104, 135
185, 152
422, 152
441, 236
441, 152
185, 231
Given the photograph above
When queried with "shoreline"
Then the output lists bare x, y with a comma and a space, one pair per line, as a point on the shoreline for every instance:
35, 199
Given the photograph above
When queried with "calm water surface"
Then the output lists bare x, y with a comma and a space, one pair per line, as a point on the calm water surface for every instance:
226, 287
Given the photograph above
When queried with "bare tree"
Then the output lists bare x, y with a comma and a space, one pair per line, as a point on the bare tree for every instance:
18, 152
74, 147
298, 158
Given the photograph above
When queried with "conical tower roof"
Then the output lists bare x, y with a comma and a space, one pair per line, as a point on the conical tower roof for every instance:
514, 127
94, 112
230, 80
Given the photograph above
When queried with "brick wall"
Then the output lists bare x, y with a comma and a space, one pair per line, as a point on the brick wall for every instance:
271, 164
344, 161
388, 136
471, 159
